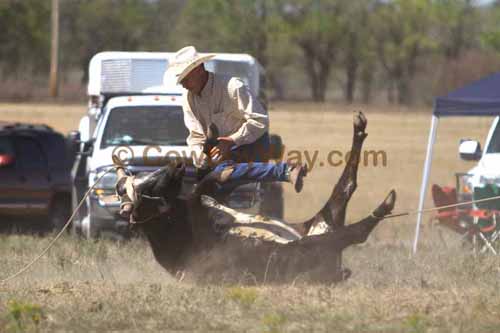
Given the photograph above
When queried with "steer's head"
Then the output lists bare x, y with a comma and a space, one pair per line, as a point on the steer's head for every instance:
145, 198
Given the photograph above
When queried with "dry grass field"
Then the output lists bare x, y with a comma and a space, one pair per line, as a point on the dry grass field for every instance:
101, 286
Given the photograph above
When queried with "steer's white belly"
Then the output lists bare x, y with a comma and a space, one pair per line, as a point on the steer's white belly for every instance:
253, 226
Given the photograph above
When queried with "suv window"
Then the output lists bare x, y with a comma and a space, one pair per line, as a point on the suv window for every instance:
29, 154
57, 152
6, 147
152, 125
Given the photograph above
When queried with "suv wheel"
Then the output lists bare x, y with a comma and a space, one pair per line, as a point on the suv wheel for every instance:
59, 213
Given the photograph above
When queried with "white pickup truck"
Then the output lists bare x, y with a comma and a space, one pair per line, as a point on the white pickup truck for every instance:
487, 170
137, 115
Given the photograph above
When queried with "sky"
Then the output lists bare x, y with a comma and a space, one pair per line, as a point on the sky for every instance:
484, 2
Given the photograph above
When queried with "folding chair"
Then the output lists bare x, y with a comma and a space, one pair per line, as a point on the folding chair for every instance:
472, 224
452, 217
485, 217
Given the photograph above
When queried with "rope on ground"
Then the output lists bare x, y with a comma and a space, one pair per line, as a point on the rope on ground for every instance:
25, 268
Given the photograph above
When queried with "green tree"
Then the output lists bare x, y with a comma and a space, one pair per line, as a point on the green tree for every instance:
402, 38
25, 36
457, 24
239, 26
358, 48
315, 27
92, 26
490, 36
225, 26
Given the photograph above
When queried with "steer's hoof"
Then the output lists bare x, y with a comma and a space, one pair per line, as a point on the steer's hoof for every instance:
387, 205
126, 209
346, 273
360, 123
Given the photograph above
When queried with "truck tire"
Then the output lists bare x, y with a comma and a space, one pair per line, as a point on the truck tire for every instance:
59, 212
90, 226
76, 227
76, 224
272, 202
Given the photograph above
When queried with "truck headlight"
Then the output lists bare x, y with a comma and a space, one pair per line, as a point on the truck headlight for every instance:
106, 185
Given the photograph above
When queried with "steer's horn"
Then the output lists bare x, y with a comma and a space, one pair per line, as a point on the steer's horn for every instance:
180, 169
149, 180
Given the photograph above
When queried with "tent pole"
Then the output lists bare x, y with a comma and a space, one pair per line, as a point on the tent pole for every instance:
425, 176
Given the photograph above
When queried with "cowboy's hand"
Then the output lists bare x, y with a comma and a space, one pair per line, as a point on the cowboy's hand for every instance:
222, 149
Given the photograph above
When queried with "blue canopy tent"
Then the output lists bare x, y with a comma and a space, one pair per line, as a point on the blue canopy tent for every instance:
479, 98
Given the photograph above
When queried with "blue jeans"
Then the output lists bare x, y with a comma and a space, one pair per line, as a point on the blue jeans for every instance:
254, 171
249, 163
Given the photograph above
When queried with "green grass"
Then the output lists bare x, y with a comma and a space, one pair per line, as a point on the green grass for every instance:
105, 285
86, 286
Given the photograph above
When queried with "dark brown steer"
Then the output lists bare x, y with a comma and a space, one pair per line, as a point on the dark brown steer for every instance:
183, 238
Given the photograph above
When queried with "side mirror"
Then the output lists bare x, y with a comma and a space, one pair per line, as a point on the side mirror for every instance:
470, 150
87, 149
74, 137
84, 129
6, 160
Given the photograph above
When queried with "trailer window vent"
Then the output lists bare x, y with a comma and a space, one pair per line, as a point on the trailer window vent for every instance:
131, 75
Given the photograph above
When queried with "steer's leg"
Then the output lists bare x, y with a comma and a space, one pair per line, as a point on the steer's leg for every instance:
320, 254
334, 211
335, 208
358, 232
353, 233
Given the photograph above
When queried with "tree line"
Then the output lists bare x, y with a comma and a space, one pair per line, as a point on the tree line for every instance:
355, 50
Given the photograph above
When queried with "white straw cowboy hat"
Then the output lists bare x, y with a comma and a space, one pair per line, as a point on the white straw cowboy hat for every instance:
184, 61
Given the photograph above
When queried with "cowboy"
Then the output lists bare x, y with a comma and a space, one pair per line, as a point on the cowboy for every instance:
223, 109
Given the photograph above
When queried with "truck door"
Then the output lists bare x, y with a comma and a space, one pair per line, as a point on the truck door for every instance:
33, 176
9, 185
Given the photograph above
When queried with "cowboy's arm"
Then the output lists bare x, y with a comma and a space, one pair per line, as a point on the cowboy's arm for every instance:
256, 119
196, 138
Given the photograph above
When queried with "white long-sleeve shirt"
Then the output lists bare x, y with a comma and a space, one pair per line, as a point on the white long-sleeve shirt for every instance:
227, 103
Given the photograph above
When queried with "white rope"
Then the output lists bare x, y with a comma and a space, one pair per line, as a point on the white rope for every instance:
441, 207
25, 268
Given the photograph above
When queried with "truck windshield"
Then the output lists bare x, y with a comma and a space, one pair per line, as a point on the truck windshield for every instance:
151, 125
494, 145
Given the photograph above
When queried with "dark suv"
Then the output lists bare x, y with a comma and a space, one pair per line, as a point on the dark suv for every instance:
35, 182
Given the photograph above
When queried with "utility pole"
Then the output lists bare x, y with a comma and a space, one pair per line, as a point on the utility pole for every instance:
54, 49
